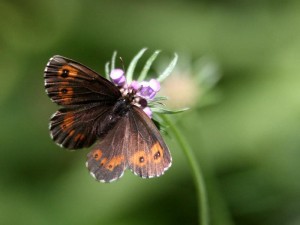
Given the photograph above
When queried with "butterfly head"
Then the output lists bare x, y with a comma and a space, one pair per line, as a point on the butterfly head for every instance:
136, 93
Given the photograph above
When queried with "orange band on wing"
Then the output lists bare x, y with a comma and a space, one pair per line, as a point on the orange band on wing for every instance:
97, 154
68, 121
156, 153
67, 71
115, 161
79, 137
139, 158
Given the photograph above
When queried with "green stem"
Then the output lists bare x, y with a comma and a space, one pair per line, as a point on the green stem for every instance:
197, 173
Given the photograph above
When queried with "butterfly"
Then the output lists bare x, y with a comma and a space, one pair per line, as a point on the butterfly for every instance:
95, 112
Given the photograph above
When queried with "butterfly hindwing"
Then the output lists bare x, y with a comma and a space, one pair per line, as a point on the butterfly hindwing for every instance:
134, 143
107, 160
70, 83
76, 128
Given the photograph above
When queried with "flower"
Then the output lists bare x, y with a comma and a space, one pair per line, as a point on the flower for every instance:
186, 93
141, 92
195, 82
149, 89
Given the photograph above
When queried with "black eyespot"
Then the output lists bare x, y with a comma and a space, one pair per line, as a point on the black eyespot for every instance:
64, 91
141, 159
156, 155
65, 73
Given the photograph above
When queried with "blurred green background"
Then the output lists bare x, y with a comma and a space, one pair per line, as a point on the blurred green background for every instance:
247, 143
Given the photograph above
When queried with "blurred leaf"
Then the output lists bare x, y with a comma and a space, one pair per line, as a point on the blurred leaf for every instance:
148, 65
132, 65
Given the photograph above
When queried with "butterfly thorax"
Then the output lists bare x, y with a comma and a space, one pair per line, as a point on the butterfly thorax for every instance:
120, 109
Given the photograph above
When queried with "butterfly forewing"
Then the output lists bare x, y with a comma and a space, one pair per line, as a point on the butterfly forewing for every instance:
86, 98
69, 83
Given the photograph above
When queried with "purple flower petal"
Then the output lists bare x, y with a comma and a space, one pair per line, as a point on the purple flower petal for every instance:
149, 89
145, 90
144, 84
118, 77
116, 74
148, 111
152, 95
121, 81
154, 84
135, 85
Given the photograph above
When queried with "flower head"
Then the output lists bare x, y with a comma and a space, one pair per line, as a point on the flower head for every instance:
140, 92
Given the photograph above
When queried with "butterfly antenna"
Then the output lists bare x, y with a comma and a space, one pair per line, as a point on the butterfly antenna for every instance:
122, 63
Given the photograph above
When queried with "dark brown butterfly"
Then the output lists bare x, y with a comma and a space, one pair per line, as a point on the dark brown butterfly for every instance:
94, 110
